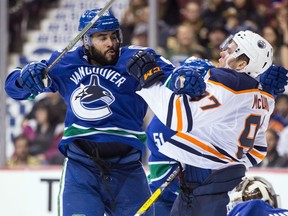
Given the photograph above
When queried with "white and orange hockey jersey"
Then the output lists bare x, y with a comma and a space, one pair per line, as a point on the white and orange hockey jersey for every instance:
223, 128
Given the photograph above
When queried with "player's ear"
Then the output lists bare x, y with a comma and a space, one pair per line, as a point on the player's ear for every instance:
240, 64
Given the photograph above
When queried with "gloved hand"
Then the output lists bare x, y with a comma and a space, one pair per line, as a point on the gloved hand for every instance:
144, 68
187, 80
274, 79
33, 78
202, 65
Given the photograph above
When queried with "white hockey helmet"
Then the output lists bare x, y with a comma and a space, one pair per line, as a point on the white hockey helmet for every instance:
253, 188
256, 48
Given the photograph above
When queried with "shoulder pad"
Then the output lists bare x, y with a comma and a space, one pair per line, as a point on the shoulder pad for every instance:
234, 80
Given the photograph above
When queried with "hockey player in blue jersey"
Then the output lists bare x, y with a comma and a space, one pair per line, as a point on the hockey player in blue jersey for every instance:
254, 196
103, 138
161, 166
222, 132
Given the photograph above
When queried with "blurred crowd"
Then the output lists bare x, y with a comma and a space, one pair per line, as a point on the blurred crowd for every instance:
25, 15
194, 27
42, 130
185, 28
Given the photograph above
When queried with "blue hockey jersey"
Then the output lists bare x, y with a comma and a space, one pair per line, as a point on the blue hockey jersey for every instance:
100, 100
160, 166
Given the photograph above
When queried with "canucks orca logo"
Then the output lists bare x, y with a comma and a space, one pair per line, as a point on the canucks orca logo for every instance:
91, 94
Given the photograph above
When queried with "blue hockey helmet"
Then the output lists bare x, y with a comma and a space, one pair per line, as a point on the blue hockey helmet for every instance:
107, 22
201, 65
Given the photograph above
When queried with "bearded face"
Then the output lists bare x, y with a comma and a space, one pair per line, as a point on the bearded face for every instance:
104, 48
103, 59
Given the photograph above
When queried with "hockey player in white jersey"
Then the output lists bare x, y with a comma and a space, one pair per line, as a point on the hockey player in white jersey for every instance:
254, 196
161, 166
224, 130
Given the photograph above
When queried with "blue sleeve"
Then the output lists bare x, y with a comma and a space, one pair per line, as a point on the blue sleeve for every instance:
253, 207
13, 89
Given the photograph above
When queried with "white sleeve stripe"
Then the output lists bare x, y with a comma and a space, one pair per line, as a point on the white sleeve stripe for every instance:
161, 162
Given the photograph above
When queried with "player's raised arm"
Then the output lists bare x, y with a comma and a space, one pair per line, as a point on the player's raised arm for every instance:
143, 67
29, 81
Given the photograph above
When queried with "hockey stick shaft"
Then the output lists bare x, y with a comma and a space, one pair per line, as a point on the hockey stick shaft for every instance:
149, 202
79, 36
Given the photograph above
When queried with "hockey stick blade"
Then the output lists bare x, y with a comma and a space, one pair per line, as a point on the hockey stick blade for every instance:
149, 202
76, 39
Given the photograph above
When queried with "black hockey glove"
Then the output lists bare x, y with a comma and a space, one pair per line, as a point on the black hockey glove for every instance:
144, 68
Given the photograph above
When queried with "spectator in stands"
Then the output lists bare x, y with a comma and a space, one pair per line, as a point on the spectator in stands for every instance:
166, 9
272, 158
140, 37
282, 146
245, 10
52, 155
231, 20
264, 11
281, 24
21, 156
162, 28
37, 11
17, 29
183, 45
213, 14
132, 16
24, 16
279, 118
57, 105
272, 35
233, 24
216, 35
192, 16
44, 133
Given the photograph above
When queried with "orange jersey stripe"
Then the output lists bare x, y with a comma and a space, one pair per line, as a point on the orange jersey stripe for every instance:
179, 115
257, 154
203, 146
